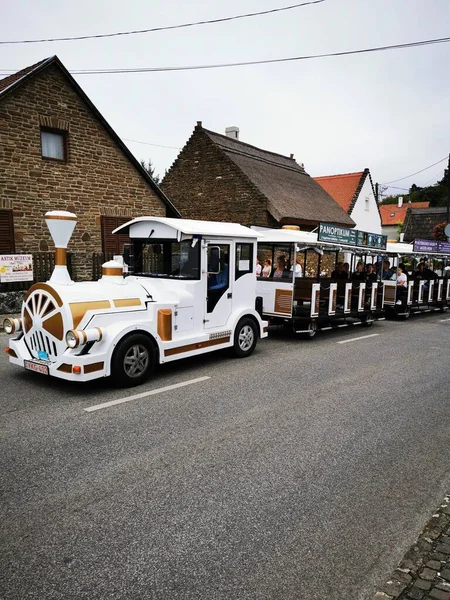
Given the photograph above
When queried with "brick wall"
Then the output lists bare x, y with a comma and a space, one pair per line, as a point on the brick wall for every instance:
97, 179
204, 183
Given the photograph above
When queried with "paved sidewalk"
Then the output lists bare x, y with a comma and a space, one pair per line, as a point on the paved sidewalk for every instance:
424, 572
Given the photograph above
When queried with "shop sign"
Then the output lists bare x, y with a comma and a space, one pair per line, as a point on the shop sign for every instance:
336, 235
16, 267
351, 237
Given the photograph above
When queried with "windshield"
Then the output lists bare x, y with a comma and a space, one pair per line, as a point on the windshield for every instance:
174, 260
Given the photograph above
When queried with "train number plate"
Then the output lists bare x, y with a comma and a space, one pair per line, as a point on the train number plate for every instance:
37, 367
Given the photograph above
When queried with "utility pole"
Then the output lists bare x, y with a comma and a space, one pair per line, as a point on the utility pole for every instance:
448, 190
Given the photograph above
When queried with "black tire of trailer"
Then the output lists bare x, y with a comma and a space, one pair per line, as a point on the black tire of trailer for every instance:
137, 347
246, 337
407, 313
312, 331
367, 320
444, 309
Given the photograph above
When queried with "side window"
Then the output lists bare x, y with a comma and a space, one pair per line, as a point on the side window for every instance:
218, 282
244, 260
54, 144
113, 242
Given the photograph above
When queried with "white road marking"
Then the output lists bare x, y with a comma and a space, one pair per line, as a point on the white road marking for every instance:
145, 394
364, 337
442, 320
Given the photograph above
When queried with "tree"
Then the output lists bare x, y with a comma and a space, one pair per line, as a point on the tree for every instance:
151, 171
438, 231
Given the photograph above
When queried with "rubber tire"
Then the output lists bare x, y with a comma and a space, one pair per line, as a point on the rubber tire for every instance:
444, 309
367, 320
407, 314
237, 350
118, 373
312, 331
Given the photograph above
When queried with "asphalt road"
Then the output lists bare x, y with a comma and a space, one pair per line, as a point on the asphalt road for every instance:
302, 472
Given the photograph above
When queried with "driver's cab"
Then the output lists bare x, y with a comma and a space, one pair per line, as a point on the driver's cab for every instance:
209, 266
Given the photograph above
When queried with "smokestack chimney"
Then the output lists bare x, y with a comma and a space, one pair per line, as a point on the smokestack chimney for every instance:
232, 132
61, 225
400, 201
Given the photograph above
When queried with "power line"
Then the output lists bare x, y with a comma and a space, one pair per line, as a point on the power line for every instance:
149, 144
416, 173
153, 29
259, 62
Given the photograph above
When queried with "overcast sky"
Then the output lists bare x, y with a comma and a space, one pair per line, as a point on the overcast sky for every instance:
388, 111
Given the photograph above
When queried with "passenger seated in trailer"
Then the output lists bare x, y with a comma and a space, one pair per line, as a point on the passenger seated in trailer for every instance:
404, 268
401, 283
298, 268
281, 270
370, 273
337, 271
359, 274
258, 267
387, 272
429, 273
267, 269
345, 271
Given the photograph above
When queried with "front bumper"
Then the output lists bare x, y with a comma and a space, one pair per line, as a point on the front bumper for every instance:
90, 366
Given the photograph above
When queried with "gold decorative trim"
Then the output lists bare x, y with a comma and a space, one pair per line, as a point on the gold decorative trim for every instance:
79, 309
100, 334
93, 367
165, 324
122, 302
46, 288
283, 301
54, 326
65, 368
11, 352
60, 257
112, 271
60, 218
198, 346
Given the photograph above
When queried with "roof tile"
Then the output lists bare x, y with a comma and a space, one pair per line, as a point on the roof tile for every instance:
342, 188
391, 214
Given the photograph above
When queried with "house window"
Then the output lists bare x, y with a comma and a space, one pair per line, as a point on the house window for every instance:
113, 242
6, 232
367, 202
53, 144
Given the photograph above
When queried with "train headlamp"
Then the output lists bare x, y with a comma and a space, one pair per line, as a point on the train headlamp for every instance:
12, 325
79, 337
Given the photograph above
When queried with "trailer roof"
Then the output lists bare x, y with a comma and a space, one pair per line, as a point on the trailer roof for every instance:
142, 226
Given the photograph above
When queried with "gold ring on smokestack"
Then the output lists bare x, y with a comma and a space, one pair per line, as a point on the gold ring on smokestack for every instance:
60, 257
61, 225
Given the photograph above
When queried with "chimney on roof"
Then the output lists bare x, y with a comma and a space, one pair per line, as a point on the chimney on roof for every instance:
232, 132
400, 201
291, 156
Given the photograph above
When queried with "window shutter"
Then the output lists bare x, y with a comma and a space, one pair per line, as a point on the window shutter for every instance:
6, 232
113, 242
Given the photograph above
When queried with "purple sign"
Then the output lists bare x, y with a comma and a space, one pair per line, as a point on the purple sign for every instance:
431, 246
425, 245
444, 247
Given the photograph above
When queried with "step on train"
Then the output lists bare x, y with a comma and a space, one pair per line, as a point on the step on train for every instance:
192, 287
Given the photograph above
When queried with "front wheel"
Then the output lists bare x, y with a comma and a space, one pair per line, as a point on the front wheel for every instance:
245, 338
133, 361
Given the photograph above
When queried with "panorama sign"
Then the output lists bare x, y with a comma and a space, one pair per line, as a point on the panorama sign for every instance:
351, 237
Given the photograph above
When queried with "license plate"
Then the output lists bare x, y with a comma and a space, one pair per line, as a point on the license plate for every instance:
35, 366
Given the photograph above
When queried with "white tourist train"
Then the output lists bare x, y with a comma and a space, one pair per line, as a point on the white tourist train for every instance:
192, 290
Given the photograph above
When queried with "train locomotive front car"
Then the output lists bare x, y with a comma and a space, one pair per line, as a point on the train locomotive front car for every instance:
192, 290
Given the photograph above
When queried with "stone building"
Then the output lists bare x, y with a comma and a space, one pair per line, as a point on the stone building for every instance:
419, 222
219, 177
58, 152
355, 194
393, 217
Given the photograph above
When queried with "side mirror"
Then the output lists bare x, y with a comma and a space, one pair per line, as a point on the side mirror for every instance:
214, 260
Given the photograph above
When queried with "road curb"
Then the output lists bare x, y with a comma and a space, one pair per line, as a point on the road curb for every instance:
424, 572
